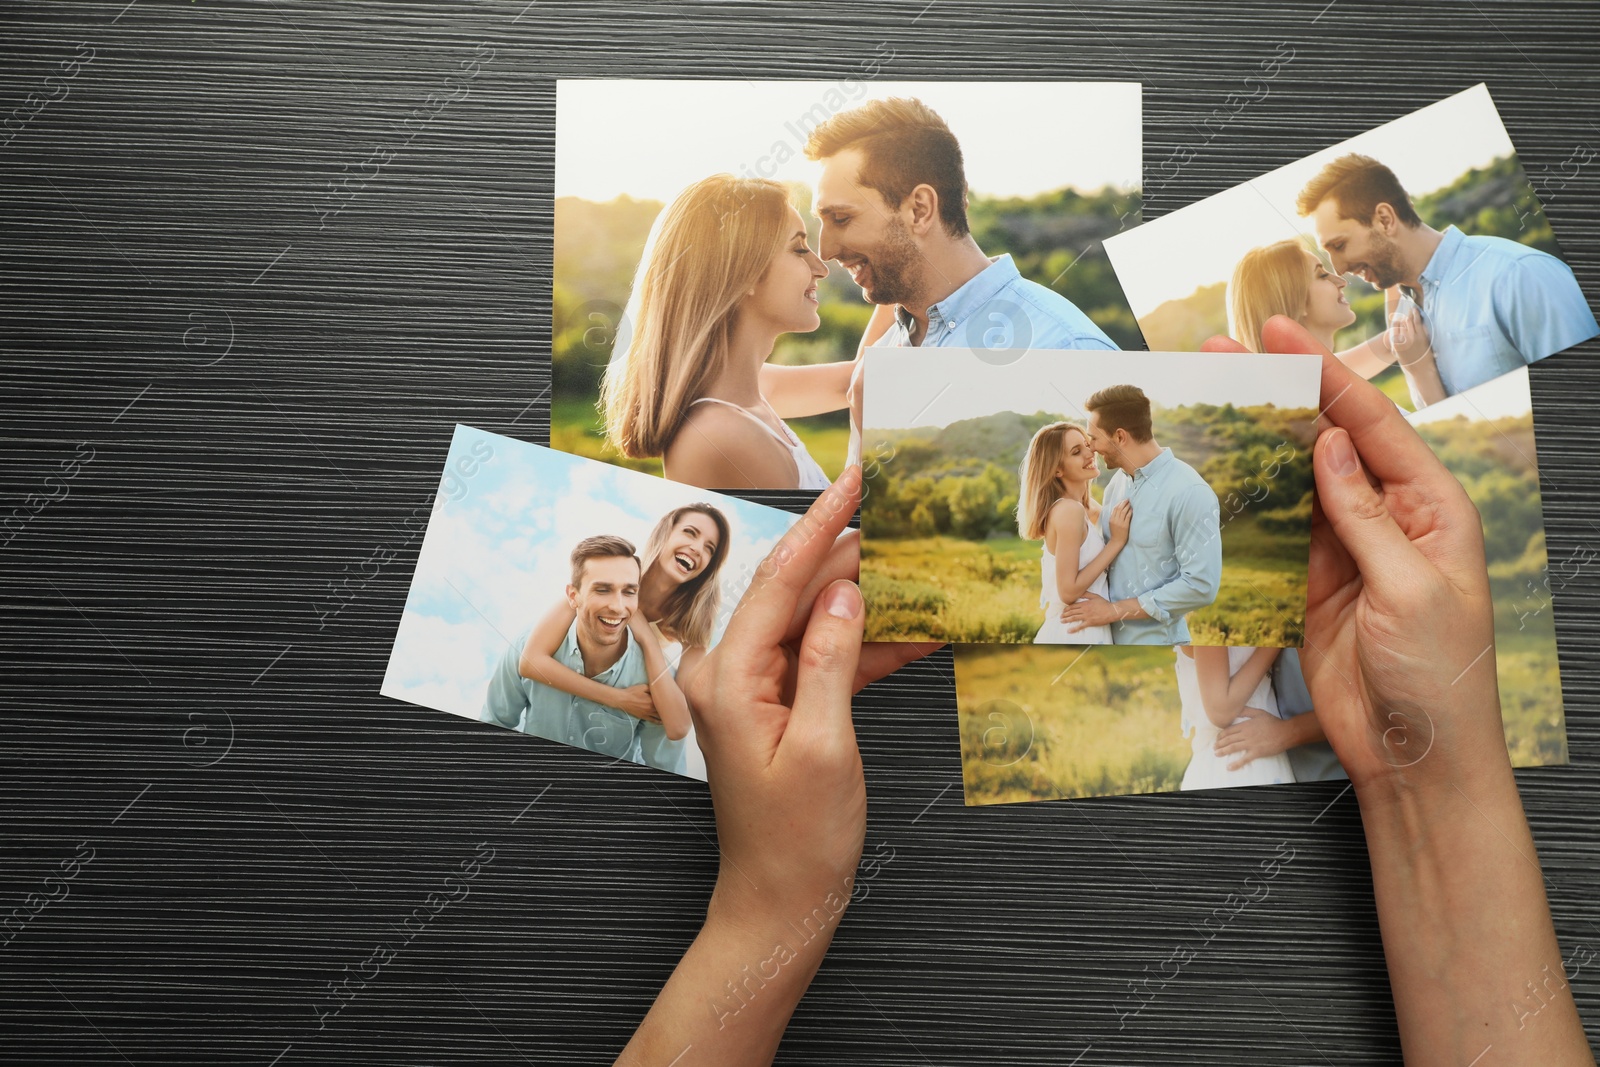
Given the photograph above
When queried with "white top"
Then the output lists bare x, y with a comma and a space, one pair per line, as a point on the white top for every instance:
1092, 544
811, 475
1054, 631
1206, 769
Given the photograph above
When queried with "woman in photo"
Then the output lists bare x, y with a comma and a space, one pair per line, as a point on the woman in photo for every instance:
678, 600
1215, 686
728, 270
1057, 507
1287, 278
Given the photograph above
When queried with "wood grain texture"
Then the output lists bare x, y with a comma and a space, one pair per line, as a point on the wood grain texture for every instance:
267, 392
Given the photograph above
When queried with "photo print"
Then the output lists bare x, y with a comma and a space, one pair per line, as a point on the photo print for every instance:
724, 251
566, 598
1040, 723
1418, 252
1047, 497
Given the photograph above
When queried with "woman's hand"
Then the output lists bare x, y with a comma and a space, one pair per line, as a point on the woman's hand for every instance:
1407, 338
635, 700
1399, 618
1399, 657
1121, 522
772, 715
773, 718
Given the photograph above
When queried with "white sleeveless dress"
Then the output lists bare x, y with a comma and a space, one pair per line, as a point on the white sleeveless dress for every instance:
1206, 769
810, 474
1054, 631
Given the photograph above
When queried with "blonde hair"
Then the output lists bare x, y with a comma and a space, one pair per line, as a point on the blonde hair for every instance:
1271, 280
691, 609
712, 244
1041, 488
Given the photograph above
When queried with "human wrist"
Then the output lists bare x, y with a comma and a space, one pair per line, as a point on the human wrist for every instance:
768, 946
1424, 806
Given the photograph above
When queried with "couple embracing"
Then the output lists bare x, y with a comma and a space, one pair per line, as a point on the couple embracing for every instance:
1126, 570
601, 670
728, 269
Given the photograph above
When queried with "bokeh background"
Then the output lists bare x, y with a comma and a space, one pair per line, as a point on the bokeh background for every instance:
624, 149
941, 557
1455, 159
1041, 723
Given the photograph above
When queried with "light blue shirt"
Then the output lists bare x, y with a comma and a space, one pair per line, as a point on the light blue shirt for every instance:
1492, 305
520, 703
999, 308
1173, 559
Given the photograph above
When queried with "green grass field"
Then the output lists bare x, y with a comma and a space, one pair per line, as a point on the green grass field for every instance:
575, 428
948, 589
1046, 723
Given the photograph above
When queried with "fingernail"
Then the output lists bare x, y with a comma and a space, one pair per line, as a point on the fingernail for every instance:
844, 600
1342, 453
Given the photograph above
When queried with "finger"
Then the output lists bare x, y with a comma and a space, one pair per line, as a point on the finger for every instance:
843, 561
1240, 762
830, 653
1330, 568
1218, 343
881, 659
1392, 447
1358, 515
763, 613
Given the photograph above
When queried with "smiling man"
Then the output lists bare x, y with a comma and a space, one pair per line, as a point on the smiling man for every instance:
1489, 305
892, 200
604, 594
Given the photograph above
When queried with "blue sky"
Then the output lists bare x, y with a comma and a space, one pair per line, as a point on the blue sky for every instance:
495, 554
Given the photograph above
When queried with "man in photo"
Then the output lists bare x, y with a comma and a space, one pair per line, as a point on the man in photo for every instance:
1172, 563
604, 594
1488, 304
892, 202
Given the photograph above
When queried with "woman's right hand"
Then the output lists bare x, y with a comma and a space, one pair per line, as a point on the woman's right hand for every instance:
1121, 522
1407, 336
636, 701
1399, 650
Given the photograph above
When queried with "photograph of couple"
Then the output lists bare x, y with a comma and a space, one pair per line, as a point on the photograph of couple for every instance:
1040, 723
1418, 252
566, 599
1163, 501
710, 309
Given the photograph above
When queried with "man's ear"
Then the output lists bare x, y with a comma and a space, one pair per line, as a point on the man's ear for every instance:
923, 202
1385, 220
572, 596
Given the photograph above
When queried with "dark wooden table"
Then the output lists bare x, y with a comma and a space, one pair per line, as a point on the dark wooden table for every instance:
253, 383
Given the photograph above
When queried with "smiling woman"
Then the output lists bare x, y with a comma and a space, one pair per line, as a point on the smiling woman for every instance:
727, 272
671, 616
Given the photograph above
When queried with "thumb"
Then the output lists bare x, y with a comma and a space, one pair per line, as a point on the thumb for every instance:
830, 651
1357, 512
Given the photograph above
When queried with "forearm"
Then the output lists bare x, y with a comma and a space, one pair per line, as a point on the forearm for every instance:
664, 690
547, 671
1078, 584
795, 392
1367, 358
1473, 957
1177, 598
1423, 377
731, 996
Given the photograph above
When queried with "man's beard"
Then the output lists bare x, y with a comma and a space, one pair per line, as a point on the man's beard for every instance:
896, 268
1384, 262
